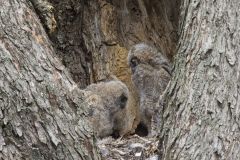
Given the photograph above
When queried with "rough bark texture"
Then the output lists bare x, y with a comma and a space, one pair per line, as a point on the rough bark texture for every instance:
43, 114
201, 116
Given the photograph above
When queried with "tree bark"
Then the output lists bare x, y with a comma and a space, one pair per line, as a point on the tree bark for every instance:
201, 112
43, 114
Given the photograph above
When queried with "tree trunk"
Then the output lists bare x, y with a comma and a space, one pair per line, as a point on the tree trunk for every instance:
43, 114
201, 112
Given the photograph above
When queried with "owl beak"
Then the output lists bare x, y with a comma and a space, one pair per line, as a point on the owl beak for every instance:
133, 69
133, 64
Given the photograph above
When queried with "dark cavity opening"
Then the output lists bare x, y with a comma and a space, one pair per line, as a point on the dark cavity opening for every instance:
141, 130
115, 134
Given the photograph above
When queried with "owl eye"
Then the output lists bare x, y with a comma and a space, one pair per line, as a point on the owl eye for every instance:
134, 62
123, 101
151, 62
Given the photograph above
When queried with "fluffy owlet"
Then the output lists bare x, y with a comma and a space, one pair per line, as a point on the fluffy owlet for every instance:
151, 72
109, 106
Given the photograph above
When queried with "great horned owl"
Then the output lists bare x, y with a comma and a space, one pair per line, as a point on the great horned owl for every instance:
109, 101
151, 72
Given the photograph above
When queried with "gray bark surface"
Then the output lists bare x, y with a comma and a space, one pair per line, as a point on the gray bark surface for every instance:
201, 108
43, 114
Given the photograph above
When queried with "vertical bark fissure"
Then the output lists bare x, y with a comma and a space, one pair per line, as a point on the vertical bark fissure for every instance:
201, 118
